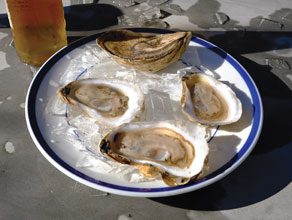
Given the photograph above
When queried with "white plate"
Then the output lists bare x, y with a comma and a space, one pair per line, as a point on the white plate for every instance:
228, 148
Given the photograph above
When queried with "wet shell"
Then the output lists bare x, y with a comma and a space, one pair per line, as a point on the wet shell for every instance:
209, 101
111, 102
144, 52
158, 148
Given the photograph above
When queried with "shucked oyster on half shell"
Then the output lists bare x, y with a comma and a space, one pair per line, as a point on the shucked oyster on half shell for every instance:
159, 148
145, 52
209, 101
111, 102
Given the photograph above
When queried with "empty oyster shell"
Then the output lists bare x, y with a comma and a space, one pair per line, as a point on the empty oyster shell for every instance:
158, 148
144, 52
209, 101
111, 102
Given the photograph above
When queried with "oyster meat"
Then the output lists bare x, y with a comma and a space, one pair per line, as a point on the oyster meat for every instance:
145, 52
111, 102
158, 148
209, 101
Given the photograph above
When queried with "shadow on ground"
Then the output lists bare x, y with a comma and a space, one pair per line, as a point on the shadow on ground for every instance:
86, 17
268, 169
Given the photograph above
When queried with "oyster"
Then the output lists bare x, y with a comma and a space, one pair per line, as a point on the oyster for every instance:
209, 101
111, 102
145, 52
158, 148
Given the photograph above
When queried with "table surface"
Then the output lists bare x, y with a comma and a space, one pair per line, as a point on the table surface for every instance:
257, 30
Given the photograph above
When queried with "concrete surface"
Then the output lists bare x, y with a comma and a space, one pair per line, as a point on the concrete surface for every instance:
259, 35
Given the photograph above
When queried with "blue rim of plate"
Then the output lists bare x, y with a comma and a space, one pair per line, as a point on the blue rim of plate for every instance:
234, 162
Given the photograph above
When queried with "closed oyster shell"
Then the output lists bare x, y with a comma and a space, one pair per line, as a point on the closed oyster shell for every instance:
158, 148
144, 52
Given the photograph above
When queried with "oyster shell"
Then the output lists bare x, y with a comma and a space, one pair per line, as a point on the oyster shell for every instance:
158, 148
111, 102
209, 101
144, 52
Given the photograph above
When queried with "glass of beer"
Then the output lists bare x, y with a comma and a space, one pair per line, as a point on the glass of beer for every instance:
38, 28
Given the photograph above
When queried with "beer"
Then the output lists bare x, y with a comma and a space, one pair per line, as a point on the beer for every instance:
38, 28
